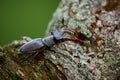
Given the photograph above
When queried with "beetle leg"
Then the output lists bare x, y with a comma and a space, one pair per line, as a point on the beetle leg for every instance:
52, 50
26, 57
37, 57
37, 53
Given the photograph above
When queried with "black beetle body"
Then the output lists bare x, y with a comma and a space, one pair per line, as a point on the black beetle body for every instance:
39, 44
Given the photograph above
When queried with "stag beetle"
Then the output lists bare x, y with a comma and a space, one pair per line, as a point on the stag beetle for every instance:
39, 44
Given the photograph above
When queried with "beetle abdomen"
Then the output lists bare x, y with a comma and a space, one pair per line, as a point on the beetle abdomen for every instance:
32, 45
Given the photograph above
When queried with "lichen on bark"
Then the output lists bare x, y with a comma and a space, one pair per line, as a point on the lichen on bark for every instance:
100, 25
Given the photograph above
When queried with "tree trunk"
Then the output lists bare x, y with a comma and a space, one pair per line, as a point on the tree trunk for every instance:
100, 22
98, 26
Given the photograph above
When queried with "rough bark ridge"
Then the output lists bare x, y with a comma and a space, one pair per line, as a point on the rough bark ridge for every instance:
98, 59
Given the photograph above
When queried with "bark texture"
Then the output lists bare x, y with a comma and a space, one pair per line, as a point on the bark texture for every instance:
99, 20
98, 59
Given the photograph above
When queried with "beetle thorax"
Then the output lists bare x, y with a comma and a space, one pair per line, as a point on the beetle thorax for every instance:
48, 41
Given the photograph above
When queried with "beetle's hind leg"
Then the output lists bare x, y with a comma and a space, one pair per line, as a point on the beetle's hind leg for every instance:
26, 57
38, 56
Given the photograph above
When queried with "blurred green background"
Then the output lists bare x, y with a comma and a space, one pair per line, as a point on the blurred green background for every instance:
24, 18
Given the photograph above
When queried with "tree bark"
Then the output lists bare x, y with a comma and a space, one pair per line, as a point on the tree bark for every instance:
100, 22
97, 23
